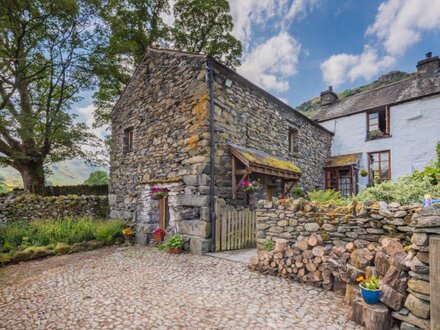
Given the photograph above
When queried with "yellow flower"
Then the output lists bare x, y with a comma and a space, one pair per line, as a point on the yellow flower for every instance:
359, 278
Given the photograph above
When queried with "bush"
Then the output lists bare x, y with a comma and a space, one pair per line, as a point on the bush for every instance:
52, 232
329, 196
405, 190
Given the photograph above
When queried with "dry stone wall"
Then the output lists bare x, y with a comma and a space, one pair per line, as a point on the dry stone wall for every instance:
297, 219
399, 258
27, 207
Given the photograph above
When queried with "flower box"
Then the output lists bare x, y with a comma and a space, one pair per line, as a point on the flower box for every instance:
175, 250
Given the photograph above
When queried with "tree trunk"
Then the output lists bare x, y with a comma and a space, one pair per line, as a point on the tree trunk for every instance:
33, 178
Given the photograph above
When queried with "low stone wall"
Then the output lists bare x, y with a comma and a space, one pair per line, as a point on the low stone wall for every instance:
399, 258
300, 218
27, 207
80, 189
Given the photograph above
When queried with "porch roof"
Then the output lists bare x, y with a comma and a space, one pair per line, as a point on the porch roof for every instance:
343, 160
262, 162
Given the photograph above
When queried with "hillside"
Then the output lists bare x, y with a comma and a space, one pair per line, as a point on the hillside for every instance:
309, 108
68, 172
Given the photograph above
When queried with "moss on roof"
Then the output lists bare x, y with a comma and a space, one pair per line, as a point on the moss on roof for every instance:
261, 158
343, 160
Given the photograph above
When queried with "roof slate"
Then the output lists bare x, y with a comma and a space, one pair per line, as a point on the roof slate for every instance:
398, 92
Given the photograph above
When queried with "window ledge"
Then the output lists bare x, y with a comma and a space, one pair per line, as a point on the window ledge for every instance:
379, 138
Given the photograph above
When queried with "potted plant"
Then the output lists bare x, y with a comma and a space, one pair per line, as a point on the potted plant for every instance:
128, 234
250, 186
159, 193
158, 235
363, 172
377, 133
370, 289
173, 244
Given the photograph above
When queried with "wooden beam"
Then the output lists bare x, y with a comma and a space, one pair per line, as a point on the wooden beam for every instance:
289, 188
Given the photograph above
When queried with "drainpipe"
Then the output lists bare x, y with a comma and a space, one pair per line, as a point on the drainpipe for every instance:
210, 72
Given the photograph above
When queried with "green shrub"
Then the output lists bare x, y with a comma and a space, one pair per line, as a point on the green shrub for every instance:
405, 190
268, 245
326, 197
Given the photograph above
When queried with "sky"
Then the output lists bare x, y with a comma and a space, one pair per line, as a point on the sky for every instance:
297, 48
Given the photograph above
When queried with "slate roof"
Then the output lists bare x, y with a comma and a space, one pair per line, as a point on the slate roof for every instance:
258, 157
343, 160
405, 90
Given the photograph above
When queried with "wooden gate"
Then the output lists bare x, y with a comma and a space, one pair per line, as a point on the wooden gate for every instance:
235, 229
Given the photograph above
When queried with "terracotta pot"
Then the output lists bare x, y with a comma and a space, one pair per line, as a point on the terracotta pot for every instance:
158, 237
175, 250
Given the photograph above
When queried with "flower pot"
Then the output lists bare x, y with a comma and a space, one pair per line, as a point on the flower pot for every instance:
370, 296
128, 238
158, 237
174, 250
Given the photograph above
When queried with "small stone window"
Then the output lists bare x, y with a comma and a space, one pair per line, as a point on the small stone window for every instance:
128, 139
293, 140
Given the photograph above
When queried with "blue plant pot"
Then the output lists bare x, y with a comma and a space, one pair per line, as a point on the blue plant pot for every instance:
370, 296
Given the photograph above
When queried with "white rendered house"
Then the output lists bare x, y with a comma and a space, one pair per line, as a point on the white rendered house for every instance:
383, 133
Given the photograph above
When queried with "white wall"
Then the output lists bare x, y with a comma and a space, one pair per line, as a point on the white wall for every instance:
415, 132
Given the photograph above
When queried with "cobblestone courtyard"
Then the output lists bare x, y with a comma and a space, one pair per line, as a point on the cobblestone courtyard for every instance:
142, 288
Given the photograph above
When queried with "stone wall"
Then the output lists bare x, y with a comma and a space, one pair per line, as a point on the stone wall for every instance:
166, 106
417, 307
250, 117
314, 255
26, 207
300, 218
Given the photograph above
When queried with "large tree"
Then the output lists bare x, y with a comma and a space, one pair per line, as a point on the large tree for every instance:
204, 26
130, 27
201, 26
44, 63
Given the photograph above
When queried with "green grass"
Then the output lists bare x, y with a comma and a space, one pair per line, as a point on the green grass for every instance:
67, 230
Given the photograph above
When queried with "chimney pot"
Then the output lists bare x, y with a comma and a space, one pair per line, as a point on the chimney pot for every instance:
428, 64
330, 89
328, 96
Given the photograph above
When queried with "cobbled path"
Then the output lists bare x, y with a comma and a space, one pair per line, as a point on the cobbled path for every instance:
142, 288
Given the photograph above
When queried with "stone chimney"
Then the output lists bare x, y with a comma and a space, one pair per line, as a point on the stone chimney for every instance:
428, 64
328, 96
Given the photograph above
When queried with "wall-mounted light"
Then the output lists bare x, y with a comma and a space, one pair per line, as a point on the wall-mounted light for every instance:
228, 83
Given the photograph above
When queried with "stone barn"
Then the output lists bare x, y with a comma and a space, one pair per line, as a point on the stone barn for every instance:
189, 124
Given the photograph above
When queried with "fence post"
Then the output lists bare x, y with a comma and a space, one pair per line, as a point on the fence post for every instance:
218, 223
434, 280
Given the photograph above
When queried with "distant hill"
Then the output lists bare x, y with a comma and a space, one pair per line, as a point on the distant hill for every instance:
68, 172
309, 108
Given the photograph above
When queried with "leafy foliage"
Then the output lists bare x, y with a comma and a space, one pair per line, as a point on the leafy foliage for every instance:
326, 197
98, 177
268, 245
51, 232
175, 241
404, 190
45, 47
204, 26
129, 28
3, 188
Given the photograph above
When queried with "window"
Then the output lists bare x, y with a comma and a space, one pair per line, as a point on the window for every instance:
340, 179
379, 164
128, 139
378, 123
293, 140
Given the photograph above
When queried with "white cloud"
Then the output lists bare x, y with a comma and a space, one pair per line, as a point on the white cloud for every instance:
400, 23
169, 18
271, 63
86, 116
345, 67
246, 13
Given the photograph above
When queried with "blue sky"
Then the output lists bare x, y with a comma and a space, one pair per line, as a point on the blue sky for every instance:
296, 48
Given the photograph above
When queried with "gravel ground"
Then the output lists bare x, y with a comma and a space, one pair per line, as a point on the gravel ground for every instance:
142, 288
